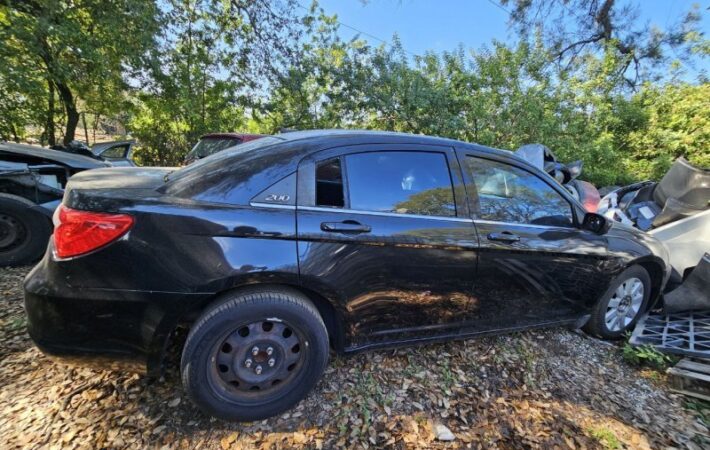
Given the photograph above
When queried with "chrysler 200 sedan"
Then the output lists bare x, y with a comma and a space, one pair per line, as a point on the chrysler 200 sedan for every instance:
279, 250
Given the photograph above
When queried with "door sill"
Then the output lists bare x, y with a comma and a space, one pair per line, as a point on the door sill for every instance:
463, 333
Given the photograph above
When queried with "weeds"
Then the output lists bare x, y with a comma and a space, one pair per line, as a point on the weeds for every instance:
606, 437
648, 356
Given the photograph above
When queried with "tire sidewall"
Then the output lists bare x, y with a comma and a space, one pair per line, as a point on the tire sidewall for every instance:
37, 227
598, 322
198, 352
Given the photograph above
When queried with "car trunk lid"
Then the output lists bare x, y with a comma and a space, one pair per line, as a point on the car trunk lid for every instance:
115, 188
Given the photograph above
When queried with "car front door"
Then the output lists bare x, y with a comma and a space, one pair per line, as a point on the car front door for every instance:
536, 265
385, 229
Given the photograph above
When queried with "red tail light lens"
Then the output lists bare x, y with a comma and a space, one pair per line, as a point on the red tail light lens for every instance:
78, 232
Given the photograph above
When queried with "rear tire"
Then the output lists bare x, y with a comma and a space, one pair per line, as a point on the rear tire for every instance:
623, 303
24, 233
255, 354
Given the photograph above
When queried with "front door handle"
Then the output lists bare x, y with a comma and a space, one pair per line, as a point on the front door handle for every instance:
346, 227
504, 236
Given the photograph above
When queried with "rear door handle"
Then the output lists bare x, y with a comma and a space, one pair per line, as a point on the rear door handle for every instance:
503, 236
345, 227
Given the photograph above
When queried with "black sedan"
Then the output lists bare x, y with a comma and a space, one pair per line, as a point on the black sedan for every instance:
279, 250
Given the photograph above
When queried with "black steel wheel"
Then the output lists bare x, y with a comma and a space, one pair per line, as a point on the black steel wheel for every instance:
257, 358
254, 354
13, 232
24, 233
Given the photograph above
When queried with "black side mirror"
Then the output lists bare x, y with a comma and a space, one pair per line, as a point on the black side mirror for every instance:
596, 223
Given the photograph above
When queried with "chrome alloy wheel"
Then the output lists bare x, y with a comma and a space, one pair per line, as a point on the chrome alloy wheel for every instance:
624, 305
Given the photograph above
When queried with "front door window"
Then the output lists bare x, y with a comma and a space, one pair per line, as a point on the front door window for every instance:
510, 194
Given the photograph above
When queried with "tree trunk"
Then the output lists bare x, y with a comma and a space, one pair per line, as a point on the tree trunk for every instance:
95, 125
86, 129
15, 137
72, 114
49, 127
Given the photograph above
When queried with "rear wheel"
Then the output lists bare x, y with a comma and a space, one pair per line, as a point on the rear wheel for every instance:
24, 233
620, 307
255, 354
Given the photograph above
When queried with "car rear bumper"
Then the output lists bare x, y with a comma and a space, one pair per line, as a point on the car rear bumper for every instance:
103, 328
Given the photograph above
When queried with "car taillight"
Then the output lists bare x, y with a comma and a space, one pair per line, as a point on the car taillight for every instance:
78, 232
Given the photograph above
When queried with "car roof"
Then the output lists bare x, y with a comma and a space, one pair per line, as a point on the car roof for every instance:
388, 137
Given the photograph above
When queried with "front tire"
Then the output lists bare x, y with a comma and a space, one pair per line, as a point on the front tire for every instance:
255, 354
622, 304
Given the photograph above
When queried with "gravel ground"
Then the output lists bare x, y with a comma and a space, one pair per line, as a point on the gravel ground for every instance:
538, 389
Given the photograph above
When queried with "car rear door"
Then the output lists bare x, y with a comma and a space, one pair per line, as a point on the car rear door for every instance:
385, 229
536, 265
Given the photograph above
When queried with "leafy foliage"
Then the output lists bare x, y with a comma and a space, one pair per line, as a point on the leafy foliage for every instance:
215, 56
672, 121
575, 29
84, 48
647, 355
176, 69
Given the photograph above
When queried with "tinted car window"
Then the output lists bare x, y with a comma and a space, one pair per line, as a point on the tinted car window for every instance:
329, 184
116, 152
510, 194
400, 182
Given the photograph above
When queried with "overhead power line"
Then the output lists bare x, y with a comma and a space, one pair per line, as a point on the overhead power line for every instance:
365, 33
498, 5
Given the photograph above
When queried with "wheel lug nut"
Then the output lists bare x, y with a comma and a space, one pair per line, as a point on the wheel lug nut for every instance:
247, 363
269, 351
257, 369
272, 361
255, 350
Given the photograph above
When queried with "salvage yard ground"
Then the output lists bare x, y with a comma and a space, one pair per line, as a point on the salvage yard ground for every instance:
538, 389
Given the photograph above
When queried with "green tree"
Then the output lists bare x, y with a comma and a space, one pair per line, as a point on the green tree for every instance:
674, 121
573, 29
216, 58
82, 49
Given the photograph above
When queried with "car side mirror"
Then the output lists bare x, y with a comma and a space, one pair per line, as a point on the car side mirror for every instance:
596, 223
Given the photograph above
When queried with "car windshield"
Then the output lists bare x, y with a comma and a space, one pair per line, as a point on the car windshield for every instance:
210, 145
216, 159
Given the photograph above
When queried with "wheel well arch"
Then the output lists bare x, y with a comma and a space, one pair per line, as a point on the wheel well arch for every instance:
332, 318
656, 274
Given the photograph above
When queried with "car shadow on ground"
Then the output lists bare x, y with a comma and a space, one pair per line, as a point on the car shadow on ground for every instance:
539, 388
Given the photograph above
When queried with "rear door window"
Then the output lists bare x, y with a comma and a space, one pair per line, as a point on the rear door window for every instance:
396, 182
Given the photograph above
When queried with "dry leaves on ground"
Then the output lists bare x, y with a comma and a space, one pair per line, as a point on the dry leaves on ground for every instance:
538, 389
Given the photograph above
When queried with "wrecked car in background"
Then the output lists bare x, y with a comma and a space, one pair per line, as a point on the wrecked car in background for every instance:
32, 181
675, 210
118, 153
212, 143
